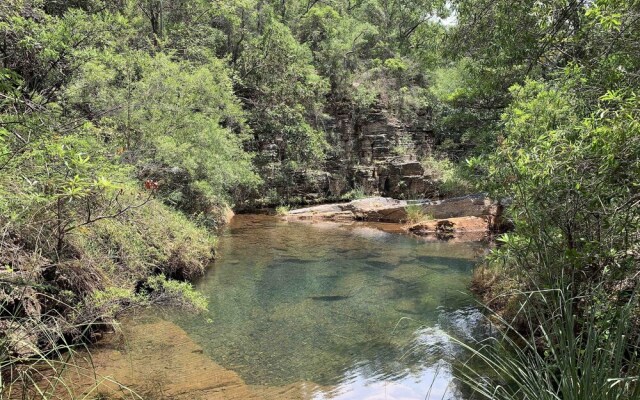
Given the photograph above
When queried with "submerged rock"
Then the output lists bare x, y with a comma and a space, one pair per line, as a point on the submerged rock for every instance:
158, 360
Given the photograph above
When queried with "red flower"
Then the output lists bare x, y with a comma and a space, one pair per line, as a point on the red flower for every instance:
150, 184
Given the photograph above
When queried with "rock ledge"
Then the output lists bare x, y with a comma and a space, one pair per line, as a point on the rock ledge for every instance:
384, 209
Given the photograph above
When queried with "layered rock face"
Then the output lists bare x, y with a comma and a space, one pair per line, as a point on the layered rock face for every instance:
379, 154
374, 153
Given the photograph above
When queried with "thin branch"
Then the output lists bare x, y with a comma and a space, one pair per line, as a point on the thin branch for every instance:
114, 215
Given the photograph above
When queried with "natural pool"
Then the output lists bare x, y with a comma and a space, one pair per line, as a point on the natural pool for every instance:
309, 311
358, 311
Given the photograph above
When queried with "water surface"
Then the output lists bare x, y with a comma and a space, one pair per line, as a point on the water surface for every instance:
351, 312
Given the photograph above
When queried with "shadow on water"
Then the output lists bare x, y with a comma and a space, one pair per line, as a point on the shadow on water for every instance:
356, 310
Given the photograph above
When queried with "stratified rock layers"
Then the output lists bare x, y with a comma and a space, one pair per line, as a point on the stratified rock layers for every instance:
373, 152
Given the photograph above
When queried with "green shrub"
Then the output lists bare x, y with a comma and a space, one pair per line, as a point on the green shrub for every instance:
356, 193
401, 150
182, 120
168, 291
449, 176
282, 210
130, 247
572, 180
563, 356
415, 213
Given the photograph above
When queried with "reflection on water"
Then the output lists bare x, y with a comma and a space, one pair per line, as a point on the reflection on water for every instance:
363, 313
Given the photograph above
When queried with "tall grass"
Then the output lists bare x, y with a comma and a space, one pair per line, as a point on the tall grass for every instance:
37, 361
415, 213
358, 192
563, 357
282, 210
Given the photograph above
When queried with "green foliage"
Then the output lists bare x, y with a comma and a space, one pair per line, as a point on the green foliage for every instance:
282, 210
356, 193
69, 182
592, 362
451, 179
415, 213
395, 65
145, 240
277, 67
125, 125
112, 300
183, 121
87, 112
172, 291
573, 180
565, 156
336, 39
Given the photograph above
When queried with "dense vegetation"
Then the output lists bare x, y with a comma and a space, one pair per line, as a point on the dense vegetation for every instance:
127, 129
566, 152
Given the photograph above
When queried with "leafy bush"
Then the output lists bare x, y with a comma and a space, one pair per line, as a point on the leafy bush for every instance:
571, 182
449, 177
571, 178
180, 124
282, 210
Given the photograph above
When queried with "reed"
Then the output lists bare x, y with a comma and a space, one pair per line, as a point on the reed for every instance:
562, 356
39, 362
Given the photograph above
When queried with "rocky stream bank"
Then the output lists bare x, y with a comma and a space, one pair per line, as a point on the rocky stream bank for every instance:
444, 219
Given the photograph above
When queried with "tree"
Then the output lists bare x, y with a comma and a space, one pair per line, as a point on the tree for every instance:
179, 123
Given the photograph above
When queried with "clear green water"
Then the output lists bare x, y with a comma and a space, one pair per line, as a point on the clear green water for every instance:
354, 309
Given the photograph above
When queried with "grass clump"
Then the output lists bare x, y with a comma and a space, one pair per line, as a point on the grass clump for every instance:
356, 193
415, 214
449, 177
169, 291
573, 349
282, 210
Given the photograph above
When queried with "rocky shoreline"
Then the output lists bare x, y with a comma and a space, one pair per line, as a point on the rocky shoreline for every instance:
473, 214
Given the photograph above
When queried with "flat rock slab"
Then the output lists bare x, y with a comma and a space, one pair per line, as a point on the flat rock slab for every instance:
385, 209
466, 206
369, 209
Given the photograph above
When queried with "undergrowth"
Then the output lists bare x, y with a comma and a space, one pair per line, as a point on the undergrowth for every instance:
52, 302
571, 349
449, 177
282, 210
37, 358
415, 214
358, 192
